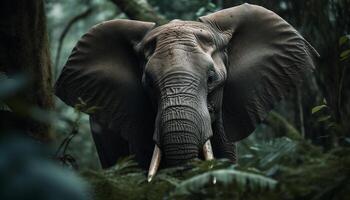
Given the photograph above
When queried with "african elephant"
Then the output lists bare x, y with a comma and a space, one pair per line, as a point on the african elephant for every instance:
185, 86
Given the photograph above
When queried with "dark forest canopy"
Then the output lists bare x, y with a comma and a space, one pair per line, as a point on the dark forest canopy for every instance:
300, 151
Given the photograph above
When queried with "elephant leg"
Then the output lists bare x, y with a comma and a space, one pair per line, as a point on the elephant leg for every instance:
222, 147
109, 144
141, 147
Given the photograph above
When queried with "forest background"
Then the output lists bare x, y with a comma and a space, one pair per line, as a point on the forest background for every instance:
299, 152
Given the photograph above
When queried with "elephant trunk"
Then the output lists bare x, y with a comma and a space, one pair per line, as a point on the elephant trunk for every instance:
183, 119
180, 136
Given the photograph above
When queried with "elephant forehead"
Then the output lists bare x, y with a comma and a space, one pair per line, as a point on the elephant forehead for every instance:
179, 29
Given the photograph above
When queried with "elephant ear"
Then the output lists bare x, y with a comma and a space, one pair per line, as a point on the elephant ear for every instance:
104, 71
266, 58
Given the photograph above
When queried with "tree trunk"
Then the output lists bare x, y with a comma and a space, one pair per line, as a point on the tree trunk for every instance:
24, 50
140, 10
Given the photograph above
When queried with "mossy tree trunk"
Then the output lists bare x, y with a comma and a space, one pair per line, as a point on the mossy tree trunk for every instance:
24, 50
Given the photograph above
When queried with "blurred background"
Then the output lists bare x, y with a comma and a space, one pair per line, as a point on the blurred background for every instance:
324, 23
38, 36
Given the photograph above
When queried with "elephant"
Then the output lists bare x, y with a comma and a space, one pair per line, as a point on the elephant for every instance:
171, 93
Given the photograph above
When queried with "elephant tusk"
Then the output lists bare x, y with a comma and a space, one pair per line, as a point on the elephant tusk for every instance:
154, 163
208, 151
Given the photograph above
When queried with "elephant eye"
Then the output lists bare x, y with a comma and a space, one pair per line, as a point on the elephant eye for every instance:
204, 37
205, 40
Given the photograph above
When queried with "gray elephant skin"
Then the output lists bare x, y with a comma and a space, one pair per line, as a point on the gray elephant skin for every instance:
176, 86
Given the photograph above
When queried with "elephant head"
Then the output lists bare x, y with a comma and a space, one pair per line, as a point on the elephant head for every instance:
184, 85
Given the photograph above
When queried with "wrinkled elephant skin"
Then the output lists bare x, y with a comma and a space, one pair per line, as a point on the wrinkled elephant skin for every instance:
186, 89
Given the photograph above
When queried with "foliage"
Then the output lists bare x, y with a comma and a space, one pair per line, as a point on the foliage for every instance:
183, 9
270, 166
26, 173
330, 80
288, 168
336, 125
62, 154
279, 169
226, 180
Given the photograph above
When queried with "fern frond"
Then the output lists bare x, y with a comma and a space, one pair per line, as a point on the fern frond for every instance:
225, 177
124, 165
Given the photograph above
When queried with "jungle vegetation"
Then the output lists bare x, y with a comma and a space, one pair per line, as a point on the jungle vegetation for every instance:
301, 151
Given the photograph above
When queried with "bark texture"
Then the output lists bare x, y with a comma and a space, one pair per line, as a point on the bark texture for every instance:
24, 50
140, 10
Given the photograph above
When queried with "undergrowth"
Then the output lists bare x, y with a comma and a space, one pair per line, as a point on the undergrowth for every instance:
282, 169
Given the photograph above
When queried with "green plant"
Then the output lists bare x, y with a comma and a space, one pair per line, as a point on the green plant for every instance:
337, 126
61, 154
279, 169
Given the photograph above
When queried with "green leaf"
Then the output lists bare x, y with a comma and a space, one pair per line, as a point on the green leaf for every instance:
244, 180
324, 101
211, 6
331, 125
124, 165
345, 55
92, 110
318, 108
324, 118
81, 101
344, 39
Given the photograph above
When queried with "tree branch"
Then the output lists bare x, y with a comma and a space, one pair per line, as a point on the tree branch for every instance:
64, 33
140, 10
